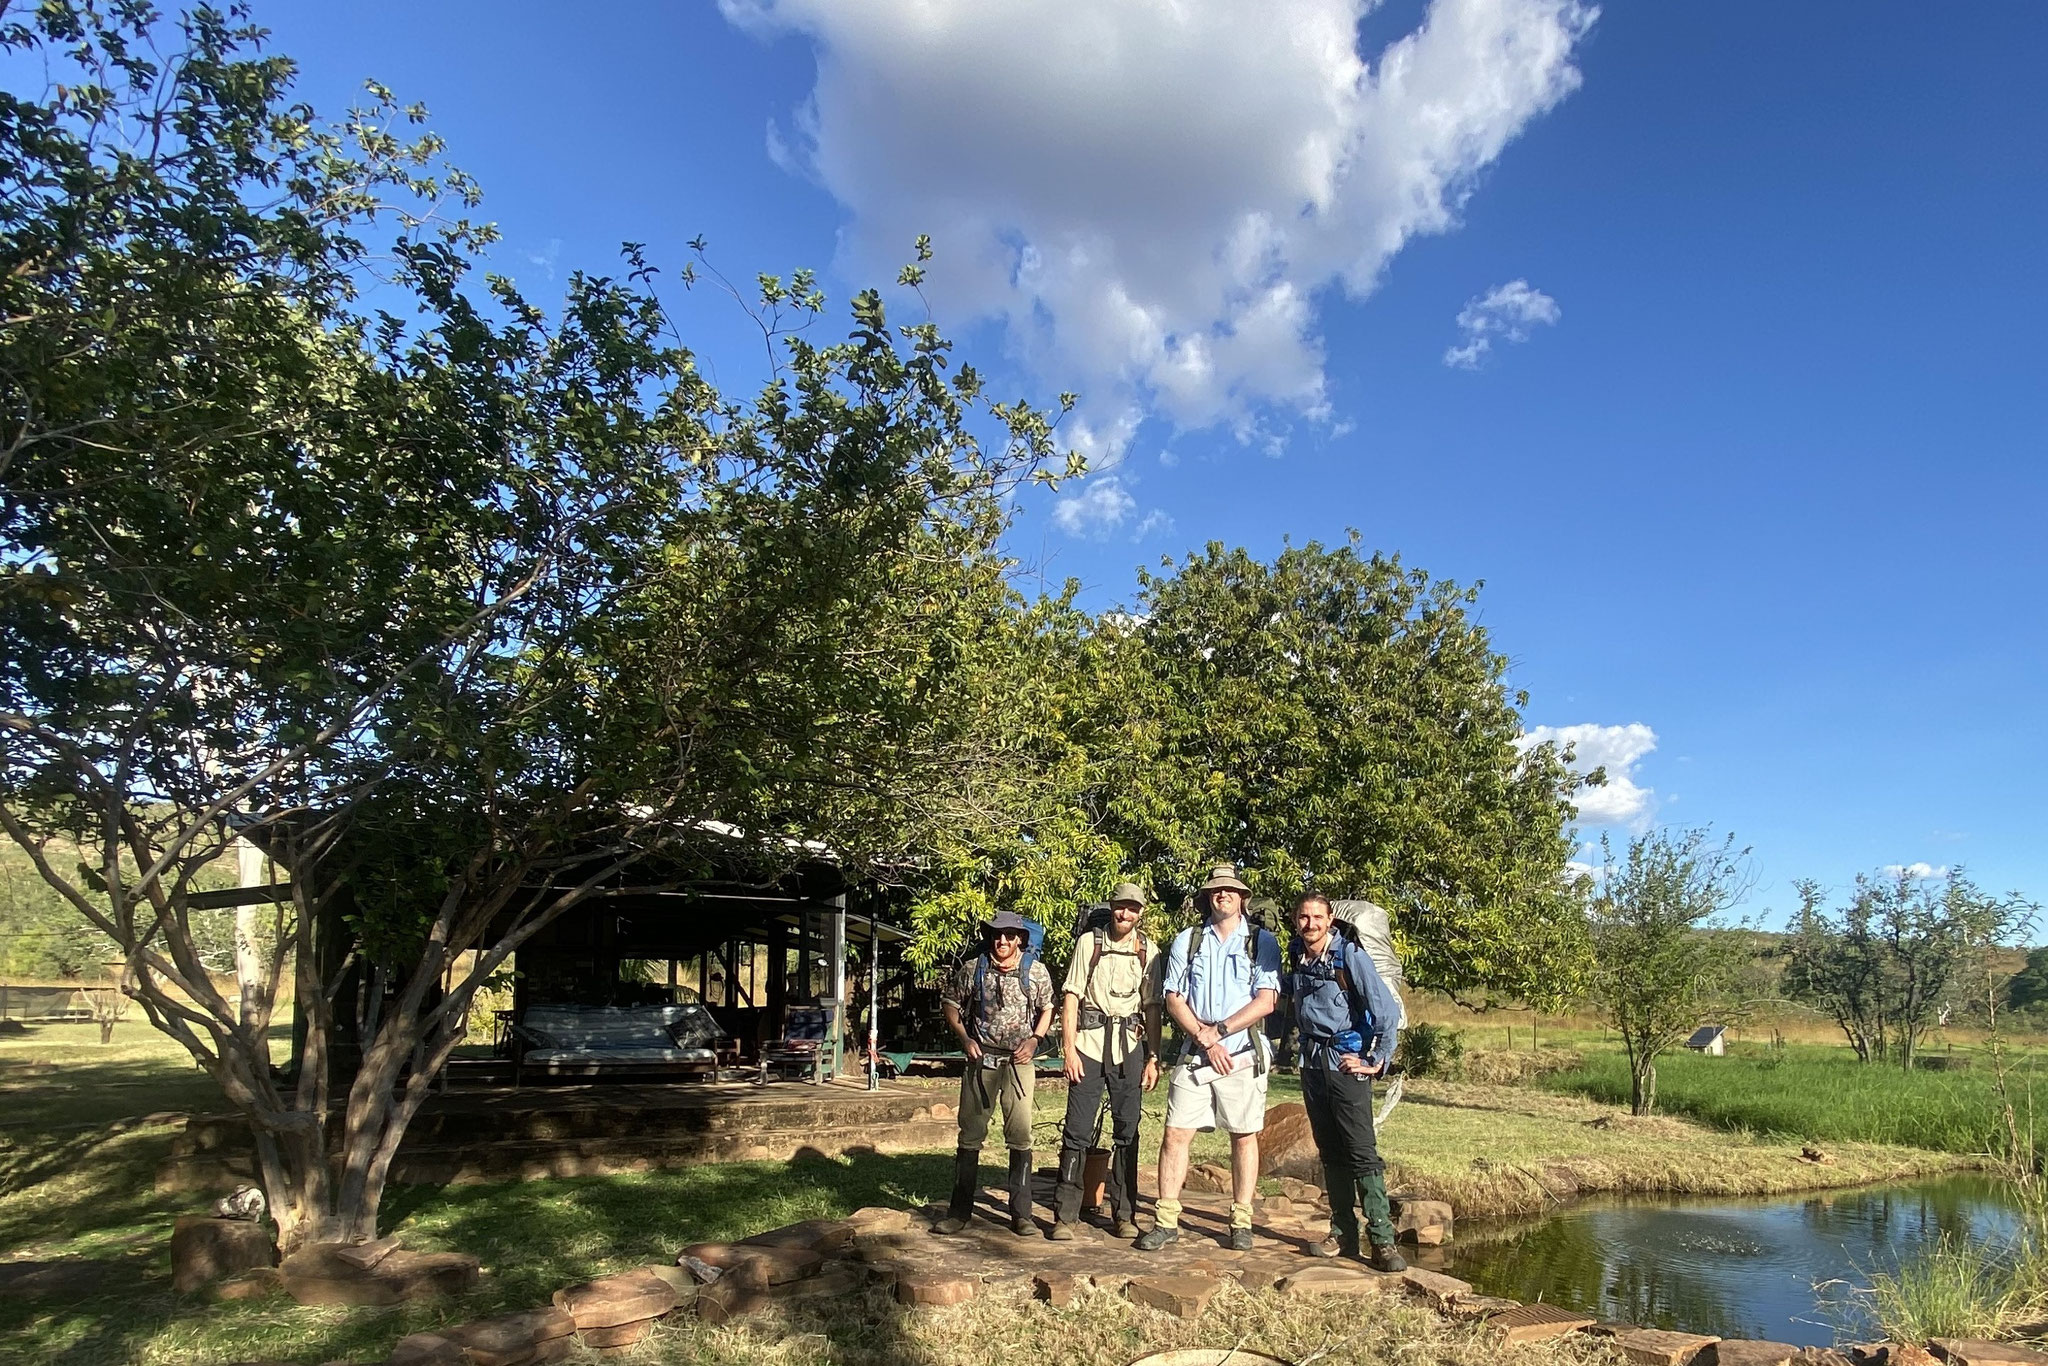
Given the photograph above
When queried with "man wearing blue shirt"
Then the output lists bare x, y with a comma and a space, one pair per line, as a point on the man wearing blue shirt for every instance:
1347, 1019
1222, 979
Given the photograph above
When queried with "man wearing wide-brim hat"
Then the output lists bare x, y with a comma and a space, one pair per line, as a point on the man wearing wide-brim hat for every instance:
1222, 979
1000, 1009
1110, 1011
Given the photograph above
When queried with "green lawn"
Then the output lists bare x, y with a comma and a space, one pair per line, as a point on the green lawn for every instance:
77, 1157
1812, 1091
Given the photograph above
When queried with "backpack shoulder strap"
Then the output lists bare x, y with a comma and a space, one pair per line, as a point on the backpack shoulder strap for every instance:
1094, 962
1189, 943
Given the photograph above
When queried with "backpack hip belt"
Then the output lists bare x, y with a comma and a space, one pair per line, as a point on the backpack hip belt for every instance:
1116, 1030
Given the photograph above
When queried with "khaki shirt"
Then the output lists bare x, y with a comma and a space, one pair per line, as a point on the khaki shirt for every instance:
1118, 989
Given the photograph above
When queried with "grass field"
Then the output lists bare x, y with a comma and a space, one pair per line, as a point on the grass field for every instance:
75, 1182
1811, 1091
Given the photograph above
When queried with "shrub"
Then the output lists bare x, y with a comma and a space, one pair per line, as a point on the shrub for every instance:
1433, 1050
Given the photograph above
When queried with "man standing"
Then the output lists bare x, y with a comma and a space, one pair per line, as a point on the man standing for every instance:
1221, 980
1346, 1017
1001, 1012
1111, 1017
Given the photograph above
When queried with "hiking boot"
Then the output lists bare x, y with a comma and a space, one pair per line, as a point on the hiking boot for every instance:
1066, 1198
1120, 1191
966, 1176
1124, 1228
1334, 1246
1159, 1237
1240, 1240
1384, 1258
1020, 1192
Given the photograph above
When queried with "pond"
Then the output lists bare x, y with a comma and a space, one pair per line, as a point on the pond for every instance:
1787, 1268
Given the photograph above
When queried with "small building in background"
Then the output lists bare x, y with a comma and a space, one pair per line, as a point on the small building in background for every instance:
1711, 1040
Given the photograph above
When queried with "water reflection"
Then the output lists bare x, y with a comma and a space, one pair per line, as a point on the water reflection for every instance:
1785, 1269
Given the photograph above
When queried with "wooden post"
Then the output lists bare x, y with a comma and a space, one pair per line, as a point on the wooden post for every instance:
838, 980
778, 975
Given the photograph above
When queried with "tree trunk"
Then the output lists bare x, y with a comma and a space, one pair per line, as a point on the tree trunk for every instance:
106, 1031
1642, 1087
252, 963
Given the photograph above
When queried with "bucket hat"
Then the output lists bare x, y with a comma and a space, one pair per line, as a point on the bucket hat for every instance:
1006, 920
1127, 891
1224, 875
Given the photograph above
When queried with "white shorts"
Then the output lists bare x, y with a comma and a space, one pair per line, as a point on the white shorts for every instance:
1235, 1104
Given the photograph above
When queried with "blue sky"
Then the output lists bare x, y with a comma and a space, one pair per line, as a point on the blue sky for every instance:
1751, 462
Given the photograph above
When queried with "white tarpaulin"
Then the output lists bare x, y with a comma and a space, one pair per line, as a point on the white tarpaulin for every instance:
1375, 932
1376, 936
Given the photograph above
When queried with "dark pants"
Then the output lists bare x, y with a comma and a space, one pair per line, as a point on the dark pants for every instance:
1125, 1083
1340, 1116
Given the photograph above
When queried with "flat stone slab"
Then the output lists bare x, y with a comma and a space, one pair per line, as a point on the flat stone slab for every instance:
1536, 1322
205, 1250
1426, 1223
521, 1339
317, 1274
257, 1284
1440, 1290
609, 1301
1750, 1352
921, 1288
1336, 1280
1184, 1297
1662, 1347
824, 1236
756, 1262
1056, 1288
618, 1336
1976, 1352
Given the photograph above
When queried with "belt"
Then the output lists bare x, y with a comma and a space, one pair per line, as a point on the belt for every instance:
1115, 1029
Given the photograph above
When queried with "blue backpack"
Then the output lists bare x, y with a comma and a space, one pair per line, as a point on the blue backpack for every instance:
1034, 944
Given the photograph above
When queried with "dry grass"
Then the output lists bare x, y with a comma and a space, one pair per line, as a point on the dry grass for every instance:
1099, 1328
1497, 1150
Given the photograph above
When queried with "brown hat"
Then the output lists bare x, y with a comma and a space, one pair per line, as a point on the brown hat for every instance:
1221, 876
1127, 891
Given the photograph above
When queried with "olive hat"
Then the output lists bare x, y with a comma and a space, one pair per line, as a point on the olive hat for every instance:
1224, 875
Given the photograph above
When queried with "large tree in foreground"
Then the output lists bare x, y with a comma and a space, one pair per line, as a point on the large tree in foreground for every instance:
1328, 717
1658, 963
459, 608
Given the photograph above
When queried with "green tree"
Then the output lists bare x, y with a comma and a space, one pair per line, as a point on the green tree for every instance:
1657, 964
2028, 988
1900, 956
461, 614
1340, 719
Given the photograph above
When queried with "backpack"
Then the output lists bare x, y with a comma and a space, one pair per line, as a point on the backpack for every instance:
1034, 944
1095, 920
1344, 939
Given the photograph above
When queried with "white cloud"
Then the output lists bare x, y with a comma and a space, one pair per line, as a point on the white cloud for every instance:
1507, 312
1099, 508
1155, 520
1621, 801
1918, 872
1152, 194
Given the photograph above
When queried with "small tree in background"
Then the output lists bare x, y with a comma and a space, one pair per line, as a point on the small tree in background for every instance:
1901, 951
1657, 967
